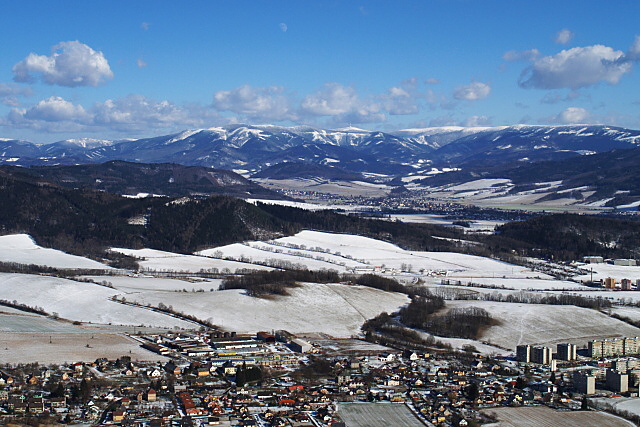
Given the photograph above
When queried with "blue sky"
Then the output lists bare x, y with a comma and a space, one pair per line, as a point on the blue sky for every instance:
120, 69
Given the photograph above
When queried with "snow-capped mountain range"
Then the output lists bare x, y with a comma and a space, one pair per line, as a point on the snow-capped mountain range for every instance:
253, 148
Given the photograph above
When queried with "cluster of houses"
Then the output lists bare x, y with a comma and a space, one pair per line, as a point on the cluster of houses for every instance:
277, 379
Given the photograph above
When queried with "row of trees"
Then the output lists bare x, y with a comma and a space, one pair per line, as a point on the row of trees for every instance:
261, 283
597, 303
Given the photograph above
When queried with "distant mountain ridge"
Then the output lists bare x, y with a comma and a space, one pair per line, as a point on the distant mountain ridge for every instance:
604, 179
253, 148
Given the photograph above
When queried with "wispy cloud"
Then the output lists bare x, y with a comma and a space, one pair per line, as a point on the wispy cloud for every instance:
11, 92
524, 55
564, 36
472, 92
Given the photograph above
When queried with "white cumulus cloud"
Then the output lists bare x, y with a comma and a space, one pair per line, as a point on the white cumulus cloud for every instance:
575, 68
283, 27
131, 114
56, 109
141, 63
139, 113
331, 100
53, 114
343, 104
268, 103
564, 36
70, 64
572, 115
472, 92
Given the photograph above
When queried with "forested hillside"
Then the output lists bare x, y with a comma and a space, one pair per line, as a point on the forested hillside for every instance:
167, 179
86, 222
569, 237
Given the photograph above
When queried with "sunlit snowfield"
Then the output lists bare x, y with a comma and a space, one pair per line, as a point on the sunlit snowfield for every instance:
334, 309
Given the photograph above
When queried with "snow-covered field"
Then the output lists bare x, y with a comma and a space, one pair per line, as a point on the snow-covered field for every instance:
169, 261
615, 296
20, 347
132, 285
358, 251
259, 252
308, 206
632, 313
461, 343
520, 284
21, 249
618, 404
476, 226
496, 193
543, 416
343, 188
335, 309
85, 302
546, 324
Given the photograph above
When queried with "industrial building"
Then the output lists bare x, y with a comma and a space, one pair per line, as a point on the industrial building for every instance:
625, 262
300, 346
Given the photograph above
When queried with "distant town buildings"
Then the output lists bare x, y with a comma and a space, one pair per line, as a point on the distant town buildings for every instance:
614, 347
537, 354
567, 352
617, 381
541, 355
523, 353
584, 382
626, 284
300, 346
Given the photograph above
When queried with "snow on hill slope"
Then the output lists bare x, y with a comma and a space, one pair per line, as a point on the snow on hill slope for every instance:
253, 147
334, 309
152, 259
345, 251
547, 324
21, 249
85, 302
